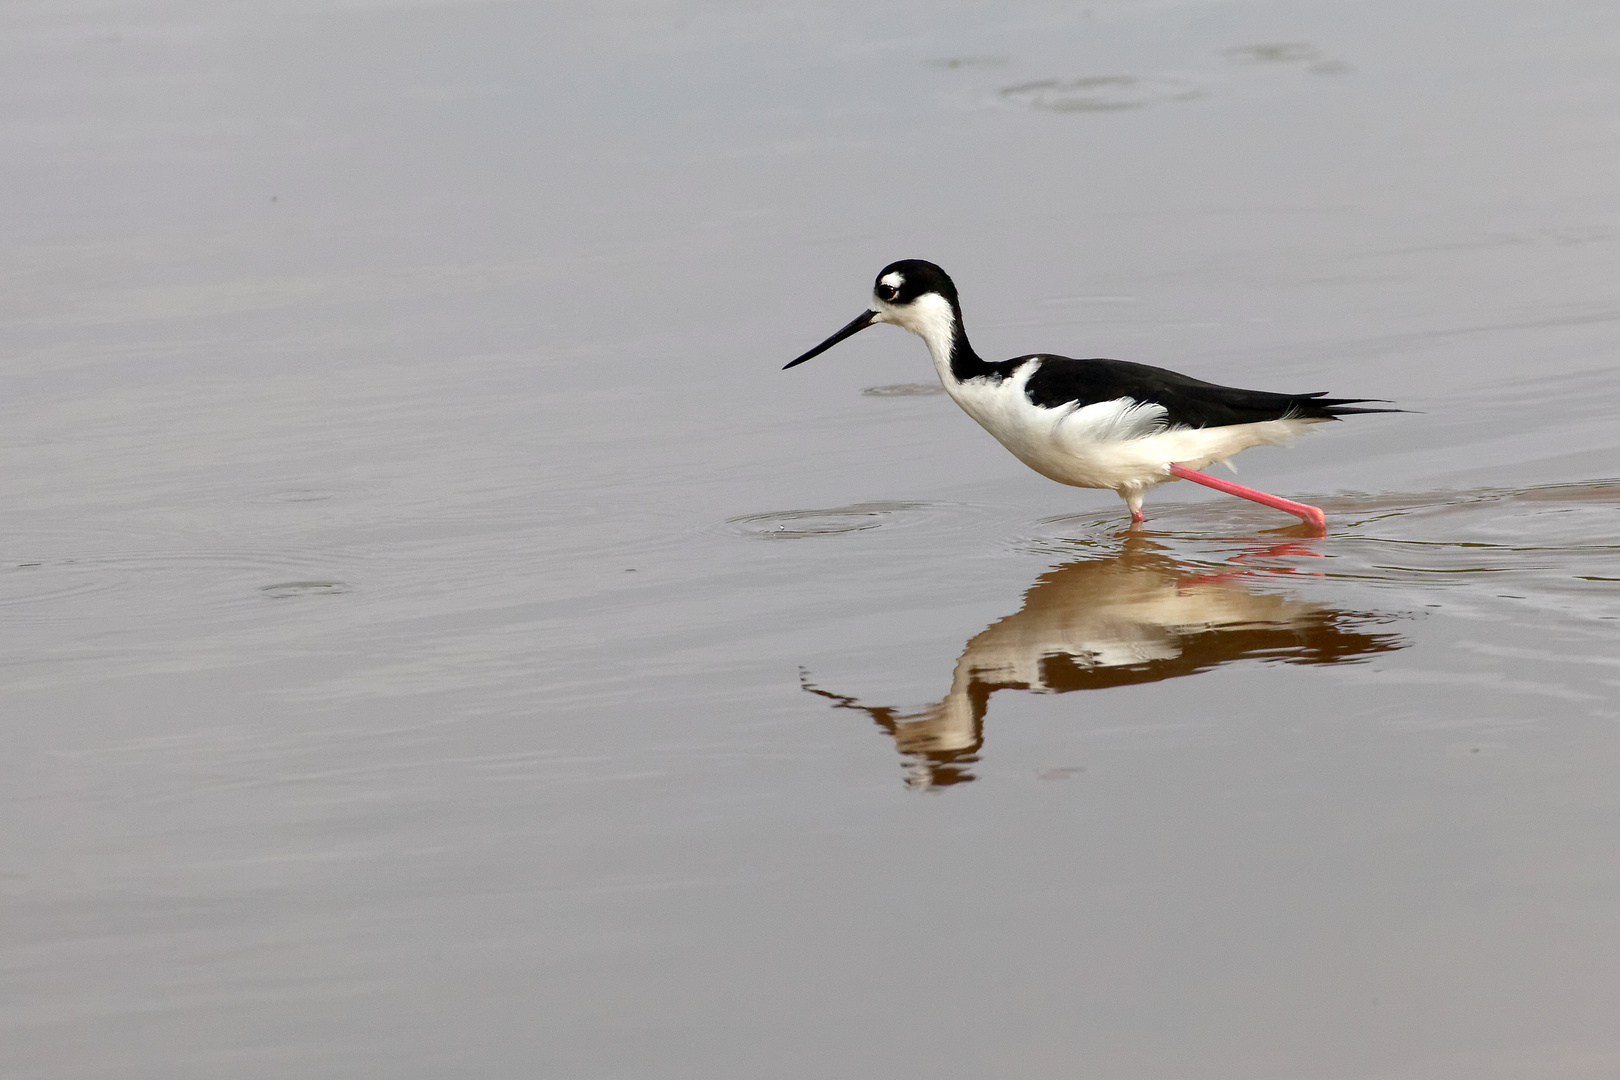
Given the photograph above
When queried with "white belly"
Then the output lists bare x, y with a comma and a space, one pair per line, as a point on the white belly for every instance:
1123, 444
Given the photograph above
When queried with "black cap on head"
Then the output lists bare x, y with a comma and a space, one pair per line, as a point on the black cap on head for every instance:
902, 282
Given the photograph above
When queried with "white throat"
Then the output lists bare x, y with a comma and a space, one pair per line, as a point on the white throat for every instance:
929, 317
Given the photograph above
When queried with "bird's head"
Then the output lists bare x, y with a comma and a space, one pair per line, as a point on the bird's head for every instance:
913, 294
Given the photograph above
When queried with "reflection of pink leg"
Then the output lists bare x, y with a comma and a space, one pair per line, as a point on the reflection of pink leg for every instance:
1309, 514
1277, 551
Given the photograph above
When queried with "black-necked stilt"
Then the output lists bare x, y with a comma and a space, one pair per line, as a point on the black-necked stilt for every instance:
1094, 423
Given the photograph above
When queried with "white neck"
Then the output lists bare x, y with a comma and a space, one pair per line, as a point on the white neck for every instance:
929, 317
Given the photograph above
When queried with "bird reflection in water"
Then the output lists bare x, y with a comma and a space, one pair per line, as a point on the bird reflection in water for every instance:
1134, 617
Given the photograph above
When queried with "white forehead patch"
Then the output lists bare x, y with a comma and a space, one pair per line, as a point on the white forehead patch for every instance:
893, 279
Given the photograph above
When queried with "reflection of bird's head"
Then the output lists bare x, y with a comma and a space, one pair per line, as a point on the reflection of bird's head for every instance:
1132, 617
938, 742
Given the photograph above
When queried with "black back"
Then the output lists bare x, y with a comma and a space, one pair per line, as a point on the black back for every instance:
1188, 402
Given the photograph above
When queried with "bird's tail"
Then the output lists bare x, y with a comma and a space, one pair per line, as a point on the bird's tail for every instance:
1320, 405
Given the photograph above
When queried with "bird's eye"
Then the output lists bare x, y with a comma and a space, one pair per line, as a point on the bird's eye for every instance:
887, 293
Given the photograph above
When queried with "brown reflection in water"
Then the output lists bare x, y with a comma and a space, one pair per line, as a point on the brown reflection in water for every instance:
1135, 617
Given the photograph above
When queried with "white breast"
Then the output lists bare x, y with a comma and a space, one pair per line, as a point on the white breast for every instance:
1122, 444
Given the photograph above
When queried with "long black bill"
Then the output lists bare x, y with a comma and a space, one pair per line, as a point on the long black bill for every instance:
862, 321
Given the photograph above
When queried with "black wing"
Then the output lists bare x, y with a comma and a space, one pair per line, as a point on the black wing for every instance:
1188, 402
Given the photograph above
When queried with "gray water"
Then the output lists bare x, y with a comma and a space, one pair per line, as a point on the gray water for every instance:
440, 641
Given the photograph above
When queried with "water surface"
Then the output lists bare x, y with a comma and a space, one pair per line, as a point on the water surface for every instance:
439, 640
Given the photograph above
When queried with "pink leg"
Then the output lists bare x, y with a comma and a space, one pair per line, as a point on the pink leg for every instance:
1309, 514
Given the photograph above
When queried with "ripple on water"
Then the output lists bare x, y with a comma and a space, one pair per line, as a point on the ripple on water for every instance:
1273, 52
38, 585
287, 590
1071, 535
1101, 93
861, 517
904, 390
72, 579
289, 491
1552, 547
1286, 52
1579, 517
954, 62
297, 495
1554, 544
